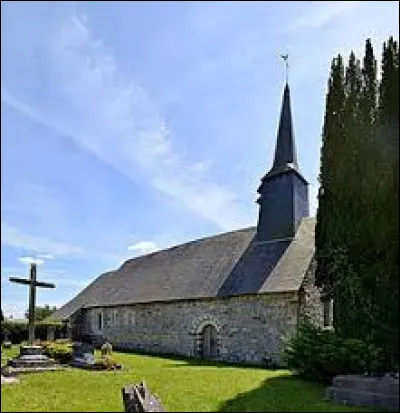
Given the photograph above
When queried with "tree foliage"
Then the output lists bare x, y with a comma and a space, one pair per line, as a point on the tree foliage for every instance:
42, 312
357, 232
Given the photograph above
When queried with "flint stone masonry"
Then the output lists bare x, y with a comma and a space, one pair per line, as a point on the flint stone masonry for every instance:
249, 328
310, 298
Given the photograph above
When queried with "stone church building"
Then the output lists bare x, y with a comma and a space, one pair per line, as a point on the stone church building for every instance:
235, 296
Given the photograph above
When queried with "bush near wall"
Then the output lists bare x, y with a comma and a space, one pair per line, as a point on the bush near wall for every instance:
319, 355
17, 332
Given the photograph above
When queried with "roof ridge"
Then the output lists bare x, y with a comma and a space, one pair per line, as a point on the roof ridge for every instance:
184, 244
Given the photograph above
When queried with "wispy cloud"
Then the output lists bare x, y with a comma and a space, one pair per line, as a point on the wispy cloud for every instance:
31, 260
320, 14
117, 121
47, 256
14, 237
143, 247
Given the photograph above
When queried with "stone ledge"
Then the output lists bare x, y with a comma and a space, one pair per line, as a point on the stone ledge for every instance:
9, 371
383, 385
363, 398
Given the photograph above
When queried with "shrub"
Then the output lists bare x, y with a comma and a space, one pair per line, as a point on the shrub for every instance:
320, 354
108, 362
61, 352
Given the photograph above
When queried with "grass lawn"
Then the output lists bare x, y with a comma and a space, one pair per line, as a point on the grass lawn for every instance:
182, 385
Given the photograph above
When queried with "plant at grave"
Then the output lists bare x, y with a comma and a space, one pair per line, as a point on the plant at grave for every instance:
108, 362
106, 349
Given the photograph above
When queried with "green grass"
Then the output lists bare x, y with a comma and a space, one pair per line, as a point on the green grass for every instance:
182, 385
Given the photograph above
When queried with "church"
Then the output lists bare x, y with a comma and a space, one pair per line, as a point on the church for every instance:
235, 296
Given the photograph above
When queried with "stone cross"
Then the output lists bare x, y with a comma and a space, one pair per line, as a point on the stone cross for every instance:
32, 298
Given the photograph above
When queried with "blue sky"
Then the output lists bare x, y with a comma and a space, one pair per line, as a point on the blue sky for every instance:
132, 126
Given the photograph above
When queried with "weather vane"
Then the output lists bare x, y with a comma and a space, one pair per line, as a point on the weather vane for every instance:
285, 57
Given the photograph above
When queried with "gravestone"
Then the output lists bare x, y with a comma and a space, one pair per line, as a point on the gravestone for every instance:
6, 341
50, 333
137, 398
376, 392
83, 355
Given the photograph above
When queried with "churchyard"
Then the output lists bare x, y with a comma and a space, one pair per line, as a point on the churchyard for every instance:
181, 385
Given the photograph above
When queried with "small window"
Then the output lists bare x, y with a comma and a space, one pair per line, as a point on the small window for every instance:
328, 313
100, 321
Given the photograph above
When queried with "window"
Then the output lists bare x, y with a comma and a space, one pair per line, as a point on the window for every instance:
100, 321
328, 305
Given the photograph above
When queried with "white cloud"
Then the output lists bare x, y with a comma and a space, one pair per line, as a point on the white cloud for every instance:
13, 237
143, 247
31, 260
116, 120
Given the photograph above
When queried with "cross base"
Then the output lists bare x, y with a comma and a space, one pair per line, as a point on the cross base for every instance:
30, 358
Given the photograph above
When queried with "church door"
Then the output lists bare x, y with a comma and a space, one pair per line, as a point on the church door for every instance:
209, 342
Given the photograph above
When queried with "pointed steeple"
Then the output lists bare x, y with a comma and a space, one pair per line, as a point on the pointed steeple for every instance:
283, 191
285, 149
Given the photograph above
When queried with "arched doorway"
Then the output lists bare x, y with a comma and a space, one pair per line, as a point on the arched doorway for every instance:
209, 342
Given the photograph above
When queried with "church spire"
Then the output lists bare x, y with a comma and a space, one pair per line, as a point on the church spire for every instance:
285, 150
283, 191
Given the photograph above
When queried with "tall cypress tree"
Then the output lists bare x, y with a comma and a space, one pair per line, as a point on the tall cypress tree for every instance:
368, 104
387, 200
350, 308
333, 127
357, 235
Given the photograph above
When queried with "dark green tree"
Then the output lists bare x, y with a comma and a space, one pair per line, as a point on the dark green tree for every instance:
357, 218
386, 145
331, 140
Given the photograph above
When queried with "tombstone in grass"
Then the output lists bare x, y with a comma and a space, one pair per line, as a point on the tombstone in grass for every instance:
31, 357
365, 391
51, 333
83, 356
6, 340
137, 398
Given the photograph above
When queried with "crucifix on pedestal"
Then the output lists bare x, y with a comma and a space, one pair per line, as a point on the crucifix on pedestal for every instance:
32, 299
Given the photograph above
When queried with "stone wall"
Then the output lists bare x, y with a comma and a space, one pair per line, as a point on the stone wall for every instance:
249, 328
310, 298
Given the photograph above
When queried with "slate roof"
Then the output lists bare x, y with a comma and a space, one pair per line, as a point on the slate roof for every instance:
227, 264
